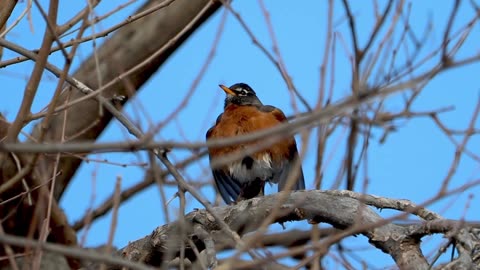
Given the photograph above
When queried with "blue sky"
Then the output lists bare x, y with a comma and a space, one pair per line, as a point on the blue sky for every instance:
409, 165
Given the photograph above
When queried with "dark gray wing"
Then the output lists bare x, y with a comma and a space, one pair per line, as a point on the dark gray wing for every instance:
282, 177
228, 187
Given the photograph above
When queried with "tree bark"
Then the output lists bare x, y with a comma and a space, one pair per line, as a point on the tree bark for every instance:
316, 206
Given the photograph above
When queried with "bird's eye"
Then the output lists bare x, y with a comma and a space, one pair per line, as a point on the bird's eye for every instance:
243, 92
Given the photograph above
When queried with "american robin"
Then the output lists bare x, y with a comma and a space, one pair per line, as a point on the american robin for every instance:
245, 178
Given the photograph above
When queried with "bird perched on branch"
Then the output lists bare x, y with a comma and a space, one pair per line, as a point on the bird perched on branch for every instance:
245, 177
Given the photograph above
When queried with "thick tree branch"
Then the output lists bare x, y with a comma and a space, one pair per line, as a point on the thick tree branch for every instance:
6, 8
343, 212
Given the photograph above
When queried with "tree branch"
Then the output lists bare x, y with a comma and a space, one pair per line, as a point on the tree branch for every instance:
343, 212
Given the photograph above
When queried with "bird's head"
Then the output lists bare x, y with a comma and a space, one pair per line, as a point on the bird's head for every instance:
240, 94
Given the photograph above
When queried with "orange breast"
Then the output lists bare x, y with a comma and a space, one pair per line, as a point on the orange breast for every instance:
240, 120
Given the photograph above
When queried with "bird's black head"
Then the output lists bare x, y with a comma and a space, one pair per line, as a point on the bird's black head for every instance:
240, 94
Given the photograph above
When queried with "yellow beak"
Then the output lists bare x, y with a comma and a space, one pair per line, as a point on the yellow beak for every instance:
227, 90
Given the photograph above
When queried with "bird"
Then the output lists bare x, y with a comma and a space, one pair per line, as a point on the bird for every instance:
245, 178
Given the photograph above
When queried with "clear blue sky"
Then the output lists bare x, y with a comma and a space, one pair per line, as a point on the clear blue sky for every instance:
410, 165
